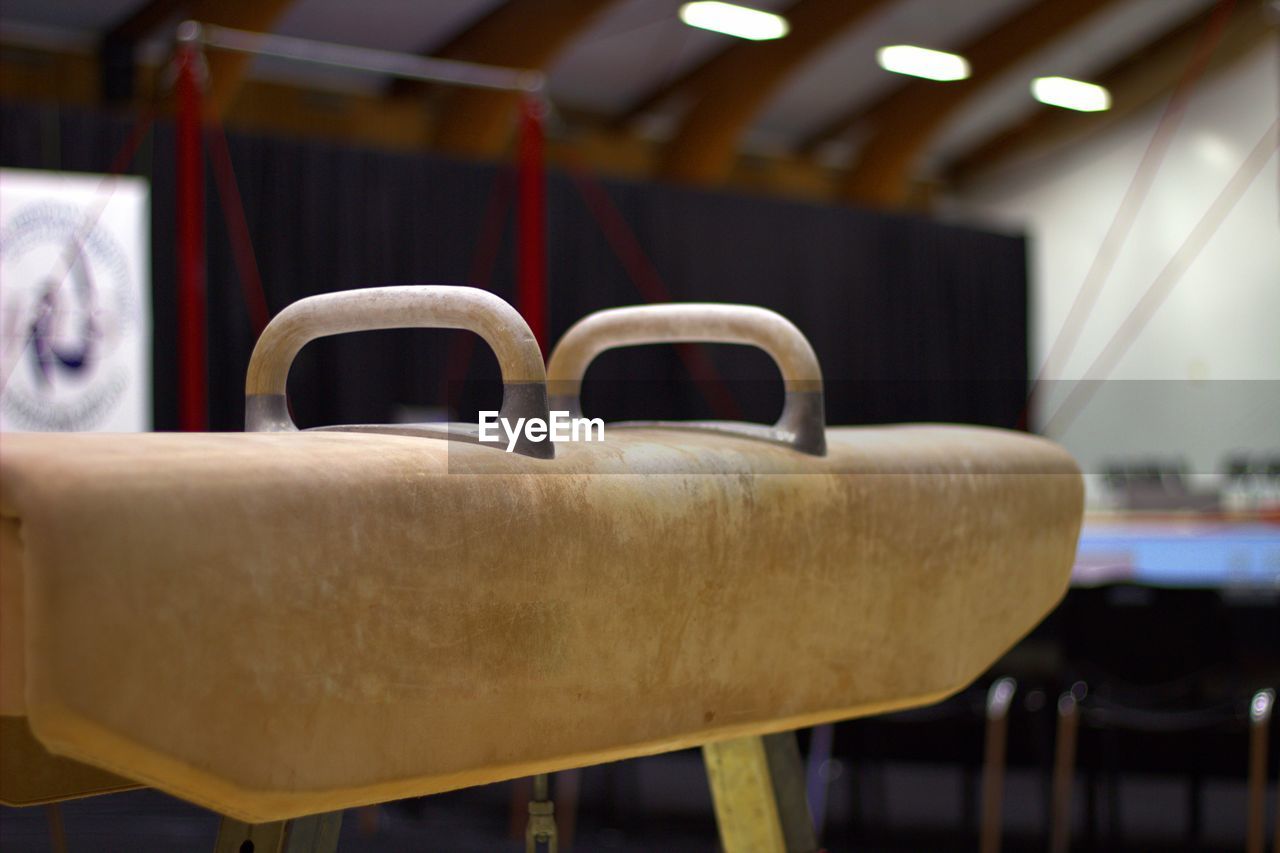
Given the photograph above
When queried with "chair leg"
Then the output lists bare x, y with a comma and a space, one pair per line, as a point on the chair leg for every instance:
757, 786
1064, 774
1259, 721
311, 834
999, 698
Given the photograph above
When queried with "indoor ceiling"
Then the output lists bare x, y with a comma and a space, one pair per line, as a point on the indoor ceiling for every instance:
631, 62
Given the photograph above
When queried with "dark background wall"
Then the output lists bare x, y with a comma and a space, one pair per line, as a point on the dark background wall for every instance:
912, 319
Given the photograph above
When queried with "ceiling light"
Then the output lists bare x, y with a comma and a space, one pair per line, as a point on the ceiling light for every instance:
733, 20
1071, 94
922, 62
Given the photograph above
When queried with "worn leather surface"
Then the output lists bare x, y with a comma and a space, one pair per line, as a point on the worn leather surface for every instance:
278, 624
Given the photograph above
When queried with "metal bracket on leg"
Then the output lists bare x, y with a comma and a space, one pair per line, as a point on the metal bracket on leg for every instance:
541, 828
311, 834
757, 785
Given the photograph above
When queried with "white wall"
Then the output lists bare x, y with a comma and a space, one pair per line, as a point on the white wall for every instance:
1220, 324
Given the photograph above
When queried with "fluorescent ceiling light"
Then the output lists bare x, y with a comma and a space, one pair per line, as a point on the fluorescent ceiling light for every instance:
733, 20
922, 62
1071, 94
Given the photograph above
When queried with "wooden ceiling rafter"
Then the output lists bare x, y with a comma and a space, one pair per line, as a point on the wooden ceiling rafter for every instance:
729, 89
908, 119
1142, 77
117, 49
227, 70
734, 86
517, 34
690, 80
144, 20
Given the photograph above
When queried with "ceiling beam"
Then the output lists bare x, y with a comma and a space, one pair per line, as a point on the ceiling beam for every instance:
734, 86
1143, 77
118, 48
144, 20
227, 70
691, 80
42, 74
518, 34
911, 117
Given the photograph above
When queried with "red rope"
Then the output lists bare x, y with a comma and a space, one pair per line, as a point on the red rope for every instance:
480, 274
644, 275
192, 350
255, 298
126, 153
531, 234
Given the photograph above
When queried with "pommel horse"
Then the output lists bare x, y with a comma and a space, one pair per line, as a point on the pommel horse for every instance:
280, 624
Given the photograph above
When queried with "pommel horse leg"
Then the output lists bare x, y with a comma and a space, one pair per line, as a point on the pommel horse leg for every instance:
757, 785
541, 828
311, 834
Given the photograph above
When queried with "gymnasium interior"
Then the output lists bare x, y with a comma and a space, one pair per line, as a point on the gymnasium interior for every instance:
928, 359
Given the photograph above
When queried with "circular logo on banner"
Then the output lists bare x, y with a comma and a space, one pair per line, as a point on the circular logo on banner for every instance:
66, 304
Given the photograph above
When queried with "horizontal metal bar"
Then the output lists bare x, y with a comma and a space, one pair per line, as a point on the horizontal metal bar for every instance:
404, 65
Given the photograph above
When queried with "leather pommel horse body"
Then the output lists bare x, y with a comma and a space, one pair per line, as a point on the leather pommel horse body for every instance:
280, 623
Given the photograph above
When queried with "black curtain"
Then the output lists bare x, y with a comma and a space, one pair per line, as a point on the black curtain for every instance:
911, 319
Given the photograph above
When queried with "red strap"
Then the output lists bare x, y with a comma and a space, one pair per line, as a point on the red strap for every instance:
192, 351
531, 287
644, 275
224, 175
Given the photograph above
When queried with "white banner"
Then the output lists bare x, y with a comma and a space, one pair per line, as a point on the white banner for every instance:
75, 302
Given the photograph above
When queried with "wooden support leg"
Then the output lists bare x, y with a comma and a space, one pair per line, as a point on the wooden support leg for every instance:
312, 834
568, 786
368, 818
518, 819
757, 785
57, 833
